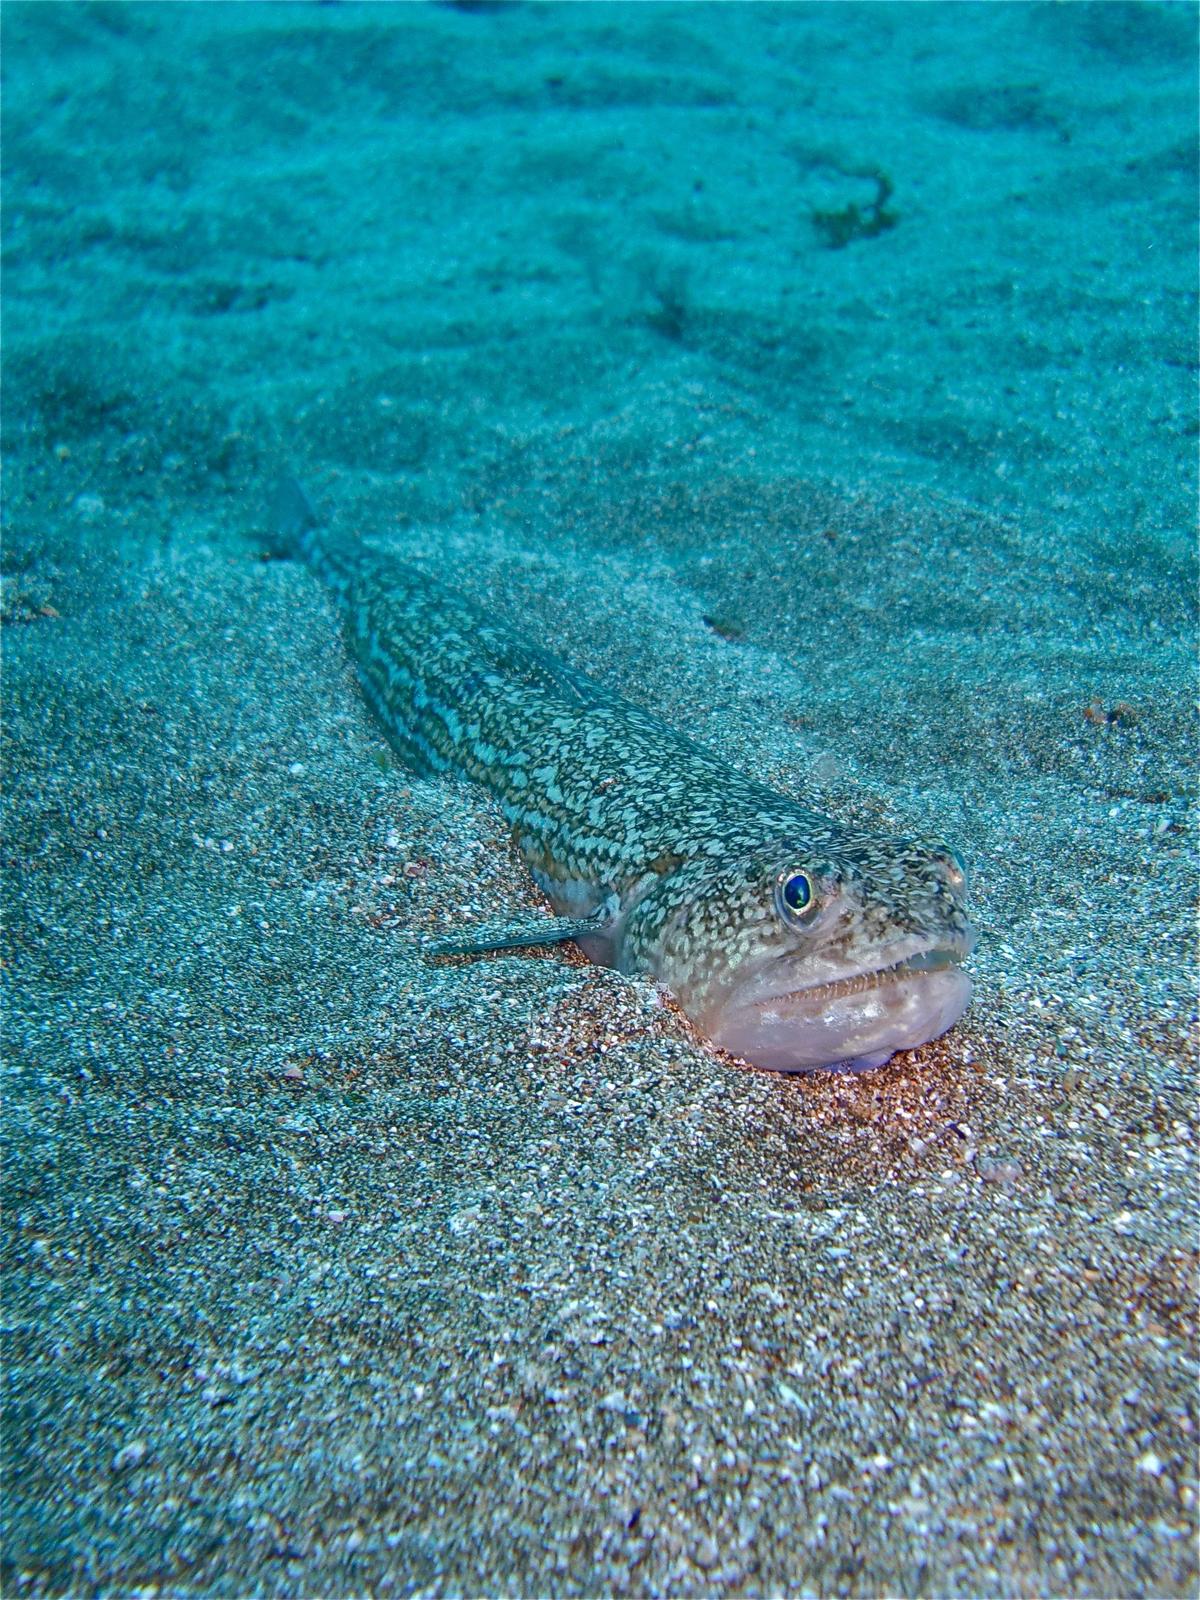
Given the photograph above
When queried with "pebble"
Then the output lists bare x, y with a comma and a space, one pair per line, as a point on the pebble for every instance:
998, 1169
89, 507
706, 1554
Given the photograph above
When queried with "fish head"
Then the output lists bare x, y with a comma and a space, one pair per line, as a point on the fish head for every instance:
799, 959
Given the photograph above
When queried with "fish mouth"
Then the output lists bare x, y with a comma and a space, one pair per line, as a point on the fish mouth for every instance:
852, 1021
938, 959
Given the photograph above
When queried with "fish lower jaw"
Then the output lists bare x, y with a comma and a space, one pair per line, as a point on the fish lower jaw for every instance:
848, 1024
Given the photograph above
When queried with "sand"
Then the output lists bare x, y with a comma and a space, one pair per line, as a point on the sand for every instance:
331, 1272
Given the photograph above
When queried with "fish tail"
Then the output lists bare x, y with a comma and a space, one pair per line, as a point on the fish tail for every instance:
293, 521
298, 535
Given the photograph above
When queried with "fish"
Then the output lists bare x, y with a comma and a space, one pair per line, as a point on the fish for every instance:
792, 940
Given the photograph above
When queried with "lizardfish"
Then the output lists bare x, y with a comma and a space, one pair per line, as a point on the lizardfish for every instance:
791, 939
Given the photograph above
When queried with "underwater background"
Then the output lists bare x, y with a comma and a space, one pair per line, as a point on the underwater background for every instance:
821, 376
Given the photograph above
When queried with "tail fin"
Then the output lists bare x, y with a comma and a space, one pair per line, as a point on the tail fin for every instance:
293, 519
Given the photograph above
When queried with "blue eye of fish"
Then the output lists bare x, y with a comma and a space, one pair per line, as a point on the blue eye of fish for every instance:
796, 891
796, 897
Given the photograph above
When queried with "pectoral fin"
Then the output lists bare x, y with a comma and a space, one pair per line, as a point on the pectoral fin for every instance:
524, 935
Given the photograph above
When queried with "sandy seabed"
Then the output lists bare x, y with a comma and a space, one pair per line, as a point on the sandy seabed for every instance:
823, 377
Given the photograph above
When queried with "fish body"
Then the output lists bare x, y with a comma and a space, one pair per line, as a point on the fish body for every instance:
789, 938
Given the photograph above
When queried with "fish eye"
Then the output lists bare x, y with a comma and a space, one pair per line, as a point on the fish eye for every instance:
796, 898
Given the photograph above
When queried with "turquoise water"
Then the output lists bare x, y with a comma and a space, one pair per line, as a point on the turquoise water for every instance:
823, 377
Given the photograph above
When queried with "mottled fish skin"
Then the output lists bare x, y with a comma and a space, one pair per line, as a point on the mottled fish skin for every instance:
678, 856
